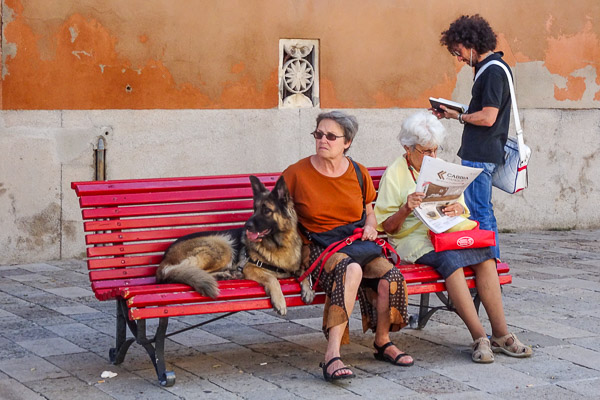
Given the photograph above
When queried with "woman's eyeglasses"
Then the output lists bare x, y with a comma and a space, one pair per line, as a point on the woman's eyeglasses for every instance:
428, 152
330, 136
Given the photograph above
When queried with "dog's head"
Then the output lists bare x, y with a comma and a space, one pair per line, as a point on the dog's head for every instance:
273, 211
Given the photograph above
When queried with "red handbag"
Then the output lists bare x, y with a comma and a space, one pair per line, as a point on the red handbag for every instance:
470, 239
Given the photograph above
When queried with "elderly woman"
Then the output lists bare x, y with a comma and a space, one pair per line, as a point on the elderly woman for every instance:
330, 201
421, 135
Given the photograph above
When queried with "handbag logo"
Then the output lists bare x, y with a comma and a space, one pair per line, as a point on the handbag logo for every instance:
465, 241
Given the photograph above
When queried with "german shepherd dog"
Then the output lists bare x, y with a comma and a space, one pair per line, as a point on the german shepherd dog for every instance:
268, 247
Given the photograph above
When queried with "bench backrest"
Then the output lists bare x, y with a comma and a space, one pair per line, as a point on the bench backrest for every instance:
130, 223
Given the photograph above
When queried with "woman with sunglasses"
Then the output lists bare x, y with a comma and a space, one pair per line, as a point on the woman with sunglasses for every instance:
421, 135
331, 201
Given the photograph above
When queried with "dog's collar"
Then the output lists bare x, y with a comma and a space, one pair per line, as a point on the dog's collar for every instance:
266, 266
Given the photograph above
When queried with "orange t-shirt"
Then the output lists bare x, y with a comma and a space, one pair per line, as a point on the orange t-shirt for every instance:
323, 203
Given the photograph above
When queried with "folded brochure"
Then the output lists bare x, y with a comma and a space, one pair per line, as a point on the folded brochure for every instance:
443, 183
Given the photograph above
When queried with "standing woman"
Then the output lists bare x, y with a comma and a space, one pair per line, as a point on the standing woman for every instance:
472, 41
329, 198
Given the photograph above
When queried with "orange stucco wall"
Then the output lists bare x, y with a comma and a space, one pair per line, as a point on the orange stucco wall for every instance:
139, 54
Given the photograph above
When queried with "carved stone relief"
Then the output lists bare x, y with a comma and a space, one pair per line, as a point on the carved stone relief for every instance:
298, 73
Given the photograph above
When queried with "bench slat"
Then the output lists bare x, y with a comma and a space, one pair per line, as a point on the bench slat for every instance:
166, 209
164, 197
129, 292
123, 262
159, 184
127, 249
124, 237
170, 184
291, 288
119, 284
139, 223
425, 273
229, 305
145, 300
246, 305
120, 273
216, 307
152, 197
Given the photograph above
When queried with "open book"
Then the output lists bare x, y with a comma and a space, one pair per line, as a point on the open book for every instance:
436, 102
443, 183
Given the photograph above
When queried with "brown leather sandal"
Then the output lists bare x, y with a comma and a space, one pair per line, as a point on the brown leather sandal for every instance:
515, 349
482, 351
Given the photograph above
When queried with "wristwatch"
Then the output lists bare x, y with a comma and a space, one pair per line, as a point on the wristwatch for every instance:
460, 118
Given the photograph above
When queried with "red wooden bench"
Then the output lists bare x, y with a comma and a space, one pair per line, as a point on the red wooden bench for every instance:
130, 223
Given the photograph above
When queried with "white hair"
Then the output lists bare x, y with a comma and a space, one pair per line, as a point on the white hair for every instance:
422, 128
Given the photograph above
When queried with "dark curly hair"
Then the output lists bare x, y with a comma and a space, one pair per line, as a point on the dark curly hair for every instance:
473, 32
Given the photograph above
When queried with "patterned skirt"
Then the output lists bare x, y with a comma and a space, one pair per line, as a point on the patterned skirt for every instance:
331, 281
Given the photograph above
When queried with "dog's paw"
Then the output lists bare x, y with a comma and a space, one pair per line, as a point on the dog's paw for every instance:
279, 305
307, 295
212, 292
209, 288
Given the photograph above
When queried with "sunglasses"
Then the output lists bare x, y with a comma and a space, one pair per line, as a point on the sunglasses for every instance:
455, 53
330, 136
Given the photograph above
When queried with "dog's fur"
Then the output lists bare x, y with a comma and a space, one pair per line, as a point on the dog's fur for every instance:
270, 235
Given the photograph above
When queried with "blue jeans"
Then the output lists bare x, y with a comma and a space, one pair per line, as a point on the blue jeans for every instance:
478, 197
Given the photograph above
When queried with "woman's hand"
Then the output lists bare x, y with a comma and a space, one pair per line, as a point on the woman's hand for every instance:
454, 209
414, 200
369, 233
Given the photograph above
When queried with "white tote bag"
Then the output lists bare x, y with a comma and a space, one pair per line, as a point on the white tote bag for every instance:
512, 176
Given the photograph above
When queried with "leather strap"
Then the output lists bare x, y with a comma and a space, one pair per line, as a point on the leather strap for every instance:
335, 247
521, 142
328, 252
263, 265
410, 230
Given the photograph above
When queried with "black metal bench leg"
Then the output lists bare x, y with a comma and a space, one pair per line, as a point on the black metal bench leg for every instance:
156, 352
476, 300
138, 329
166, 378
117, 354
424, 311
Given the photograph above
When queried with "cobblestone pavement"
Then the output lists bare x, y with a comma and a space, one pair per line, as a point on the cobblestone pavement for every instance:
55, 336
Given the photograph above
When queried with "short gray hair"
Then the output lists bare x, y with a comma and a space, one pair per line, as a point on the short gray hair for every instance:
348, 122
422, 128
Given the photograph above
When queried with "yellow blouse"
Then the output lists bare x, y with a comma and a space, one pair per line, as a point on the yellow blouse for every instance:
395, 186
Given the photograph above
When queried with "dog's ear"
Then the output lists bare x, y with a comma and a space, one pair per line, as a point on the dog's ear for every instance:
257, 186
281, 191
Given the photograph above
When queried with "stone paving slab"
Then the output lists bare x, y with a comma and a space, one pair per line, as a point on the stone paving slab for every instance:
11, 389
55, 339
50, 347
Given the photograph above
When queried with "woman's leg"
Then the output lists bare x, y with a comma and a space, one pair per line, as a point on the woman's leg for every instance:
488, 287
382, 333
459, 293
351, 284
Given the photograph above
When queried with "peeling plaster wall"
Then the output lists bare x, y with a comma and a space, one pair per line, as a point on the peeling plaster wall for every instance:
145, 54
190, 88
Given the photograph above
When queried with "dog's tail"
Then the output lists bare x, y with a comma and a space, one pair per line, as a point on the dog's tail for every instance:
189, 273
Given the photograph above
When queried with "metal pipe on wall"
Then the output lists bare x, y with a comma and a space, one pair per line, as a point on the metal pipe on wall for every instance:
100, 160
